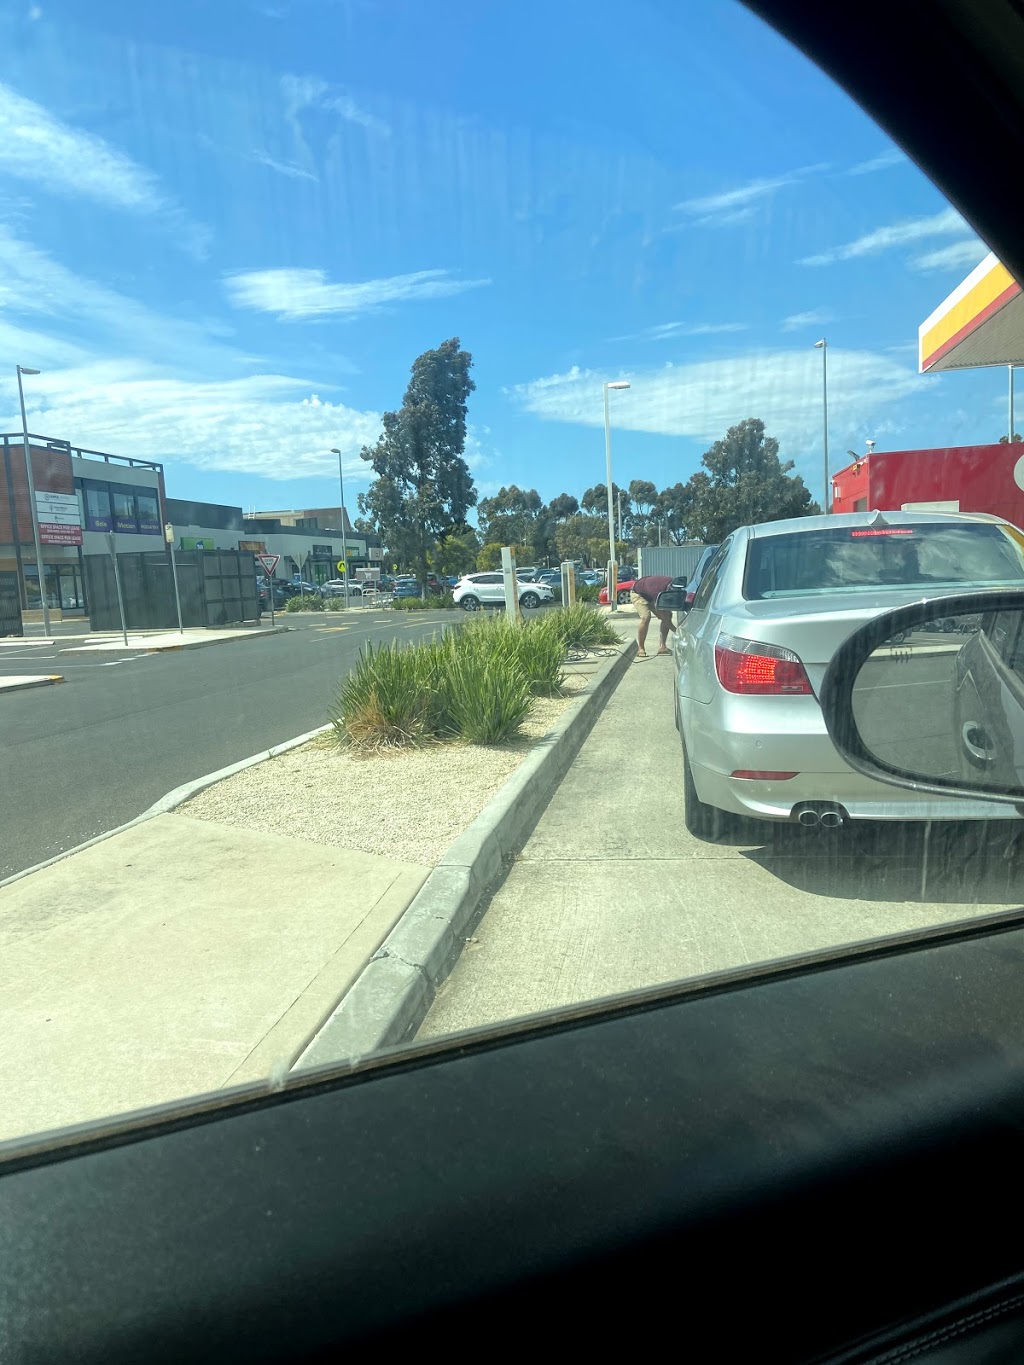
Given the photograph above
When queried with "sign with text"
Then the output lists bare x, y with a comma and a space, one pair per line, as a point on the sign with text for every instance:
270, 563
59, 518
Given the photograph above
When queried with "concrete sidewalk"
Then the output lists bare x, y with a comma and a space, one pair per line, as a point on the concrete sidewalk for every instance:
17, 682
610, 894
147, 641
176, 957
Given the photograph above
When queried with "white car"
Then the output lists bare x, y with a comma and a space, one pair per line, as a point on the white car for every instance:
477, 590
335, 587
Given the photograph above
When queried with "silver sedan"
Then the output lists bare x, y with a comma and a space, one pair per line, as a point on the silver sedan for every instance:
775, 603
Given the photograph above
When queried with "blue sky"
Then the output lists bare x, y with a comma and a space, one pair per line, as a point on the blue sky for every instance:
227, 229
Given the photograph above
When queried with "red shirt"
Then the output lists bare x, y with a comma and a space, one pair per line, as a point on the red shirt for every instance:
650, 586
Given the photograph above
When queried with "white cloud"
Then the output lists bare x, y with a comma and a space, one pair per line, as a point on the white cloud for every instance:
118, 376
310, 92
272, 425
957, 256
294, 293
36, 146
947, 223
33, 284
737, 205
284, 167
882, 162
701, 400
814, 317
665, 331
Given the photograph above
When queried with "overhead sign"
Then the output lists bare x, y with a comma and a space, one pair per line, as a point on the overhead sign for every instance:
59, 518
270, 563
341, 566
258, 547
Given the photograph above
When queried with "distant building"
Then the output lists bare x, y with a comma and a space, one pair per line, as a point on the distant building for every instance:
81, 496
306, 546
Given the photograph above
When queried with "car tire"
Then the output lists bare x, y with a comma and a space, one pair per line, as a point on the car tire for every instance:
469, 603
702, 821
622, 598
529, 600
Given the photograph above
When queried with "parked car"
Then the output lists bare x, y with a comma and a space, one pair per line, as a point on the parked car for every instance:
293, 587
263, 590
775, 603
476, 590
624, 588
406, 587
335, 587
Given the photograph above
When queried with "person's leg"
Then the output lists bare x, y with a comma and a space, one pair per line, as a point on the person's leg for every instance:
644, 609
665, 618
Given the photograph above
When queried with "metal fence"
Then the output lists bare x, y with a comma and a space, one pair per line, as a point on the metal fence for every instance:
216, 587
676, 561
10, 604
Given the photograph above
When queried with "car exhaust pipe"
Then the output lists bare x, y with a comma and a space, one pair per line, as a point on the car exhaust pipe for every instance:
808, 818
830, 819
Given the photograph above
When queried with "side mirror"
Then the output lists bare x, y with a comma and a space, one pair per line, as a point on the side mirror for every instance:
931, 697
672, 599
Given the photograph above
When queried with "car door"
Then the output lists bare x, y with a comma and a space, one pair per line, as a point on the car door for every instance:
694, 648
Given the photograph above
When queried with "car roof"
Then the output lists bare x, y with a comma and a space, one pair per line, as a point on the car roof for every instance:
837, 520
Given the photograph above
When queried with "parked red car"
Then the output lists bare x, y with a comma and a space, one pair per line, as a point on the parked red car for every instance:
625, 588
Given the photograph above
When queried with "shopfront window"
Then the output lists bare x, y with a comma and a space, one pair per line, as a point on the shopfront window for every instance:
123, 500
147, 508
98, 515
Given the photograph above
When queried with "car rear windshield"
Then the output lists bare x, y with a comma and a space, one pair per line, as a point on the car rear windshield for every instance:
862, 558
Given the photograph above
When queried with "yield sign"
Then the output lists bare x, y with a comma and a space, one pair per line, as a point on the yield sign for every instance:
269, 563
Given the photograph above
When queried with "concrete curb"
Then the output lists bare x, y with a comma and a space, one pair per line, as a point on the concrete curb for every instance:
173, 798
259, 633
48, 681
391, 996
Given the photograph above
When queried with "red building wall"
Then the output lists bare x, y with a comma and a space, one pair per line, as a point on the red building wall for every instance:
981, 478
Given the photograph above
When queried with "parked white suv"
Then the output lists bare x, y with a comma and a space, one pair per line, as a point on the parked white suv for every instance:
477, 590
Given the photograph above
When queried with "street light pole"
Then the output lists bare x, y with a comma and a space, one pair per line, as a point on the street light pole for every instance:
1009, 435
40, 570
612, 587
822, 345
344, 537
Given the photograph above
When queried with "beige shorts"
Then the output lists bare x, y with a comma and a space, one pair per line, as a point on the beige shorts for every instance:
642, 605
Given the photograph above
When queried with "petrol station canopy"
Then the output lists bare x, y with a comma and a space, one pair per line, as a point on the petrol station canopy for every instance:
980, 323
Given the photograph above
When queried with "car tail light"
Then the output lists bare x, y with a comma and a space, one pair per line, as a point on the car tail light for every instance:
751, 668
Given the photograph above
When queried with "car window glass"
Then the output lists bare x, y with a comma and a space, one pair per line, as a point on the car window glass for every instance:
707, 584
298, 293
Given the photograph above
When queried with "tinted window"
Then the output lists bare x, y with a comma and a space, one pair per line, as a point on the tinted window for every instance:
855, 558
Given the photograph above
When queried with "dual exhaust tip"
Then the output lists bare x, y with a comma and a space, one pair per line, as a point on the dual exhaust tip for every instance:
821, 817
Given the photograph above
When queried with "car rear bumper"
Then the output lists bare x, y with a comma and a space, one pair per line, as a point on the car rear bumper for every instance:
780, 734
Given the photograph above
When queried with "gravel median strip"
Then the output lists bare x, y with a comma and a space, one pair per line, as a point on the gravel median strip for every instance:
406, 803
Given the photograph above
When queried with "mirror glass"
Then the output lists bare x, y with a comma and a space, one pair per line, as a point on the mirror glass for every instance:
945, 701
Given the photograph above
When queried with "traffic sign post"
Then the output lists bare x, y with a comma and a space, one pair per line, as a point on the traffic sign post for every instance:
344, 572
270, 563
169, 537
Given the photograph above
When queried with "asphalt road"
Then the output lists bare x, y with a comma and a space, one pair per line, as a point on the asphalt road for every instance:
124, 729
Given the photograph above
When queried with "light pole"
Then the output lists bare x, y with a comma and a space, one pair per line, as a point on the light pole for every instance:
40, 570
822, 345
612, 594
344, 537
1009, 435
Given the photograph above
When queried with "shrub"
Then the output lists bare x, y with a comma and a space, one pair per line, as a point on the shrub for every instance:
588, 592
410, 603
487, 700
308, 601
388, 699
580, 626
335, 603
